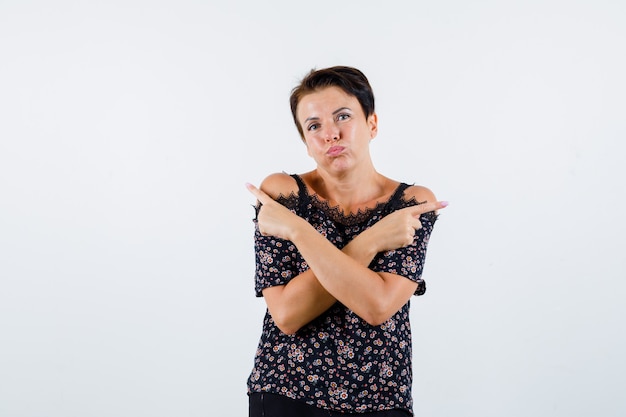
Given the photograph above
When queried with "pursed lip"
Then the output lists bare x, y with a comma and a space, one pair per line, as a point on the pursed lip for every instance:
334, 150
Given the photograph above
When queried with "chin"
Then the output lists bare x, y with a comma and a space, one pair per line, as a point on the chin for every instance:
340, 167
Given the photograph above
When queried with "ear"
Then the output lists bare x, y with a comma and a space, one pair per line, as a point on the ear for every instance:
372, 122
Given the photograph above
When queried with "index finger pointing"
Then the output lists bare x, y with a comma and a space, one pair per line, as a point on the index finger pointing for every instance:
260, 195
428, 207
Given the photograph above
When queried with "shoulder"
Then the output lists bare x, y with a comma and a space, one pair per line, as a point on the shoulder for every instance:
278, 184
419, 193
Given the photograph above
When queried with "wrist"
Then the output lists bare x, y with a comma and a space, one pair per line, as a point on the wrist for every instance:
362, 248
299, 229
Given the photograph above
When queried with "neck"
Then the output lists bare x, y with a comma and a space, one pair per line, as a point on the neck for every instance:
351, 189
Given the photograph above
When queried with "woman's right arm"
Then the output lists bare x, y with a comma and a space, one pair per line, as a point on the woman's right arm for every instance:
303, 298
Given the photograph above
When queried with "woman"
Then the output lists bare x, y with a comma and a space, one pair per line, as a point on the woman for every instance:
339, 252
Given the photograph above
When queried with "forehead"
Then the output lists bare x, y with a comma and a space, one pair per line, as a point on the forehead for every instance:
325, 100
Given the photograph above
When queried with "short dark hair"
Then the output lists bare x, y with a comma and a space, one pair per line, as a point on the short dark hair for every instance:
349, 79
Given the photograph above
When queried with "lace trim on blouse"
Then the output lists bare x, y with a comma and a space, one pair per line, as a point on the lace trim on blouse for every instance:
336, 214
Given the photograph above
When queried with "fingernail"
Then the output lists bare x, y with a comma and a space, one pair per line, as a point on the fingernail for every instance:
444, 204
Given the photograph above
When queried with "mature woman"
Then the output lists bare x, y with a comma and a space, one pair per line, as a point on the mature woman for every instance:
339, 253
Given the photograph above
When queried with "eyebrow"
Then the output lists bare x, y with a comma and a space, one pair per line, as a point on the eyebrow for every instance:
334, 113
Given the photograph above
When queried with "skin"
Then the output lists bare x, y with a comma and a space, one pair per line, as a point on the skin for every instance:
337, 136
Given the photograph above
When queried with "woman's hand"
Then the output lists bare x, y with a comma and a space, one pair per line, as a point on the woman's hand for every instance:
397, 229
274, 219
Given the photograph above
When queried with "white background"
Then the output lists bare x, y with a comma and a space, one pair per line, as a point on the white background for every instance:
127, 132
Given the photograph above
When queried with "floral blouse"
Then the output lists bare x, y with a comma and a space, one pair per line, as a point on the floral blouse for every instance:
338, 361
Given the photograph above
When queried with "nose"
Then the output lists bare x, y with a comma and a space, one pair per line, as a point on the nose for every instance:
331, 134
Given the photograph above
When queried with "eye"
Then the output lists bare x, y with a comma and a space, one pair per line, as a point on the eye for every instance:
313, 126
343, 116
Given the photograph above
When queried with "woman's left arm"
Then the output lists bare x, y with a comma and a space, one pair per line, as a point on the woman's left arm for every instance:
374, 296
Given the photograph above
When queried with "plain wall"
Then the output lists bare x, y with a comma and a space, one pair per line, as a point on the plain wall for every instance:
129, 128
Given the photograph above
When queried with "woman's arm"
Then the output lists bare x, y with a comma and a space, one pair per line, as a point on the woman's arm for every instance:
339, 274
303, 298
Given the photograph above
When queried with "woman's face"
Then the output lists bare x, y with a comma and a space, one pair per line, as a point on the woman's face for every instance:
336, 132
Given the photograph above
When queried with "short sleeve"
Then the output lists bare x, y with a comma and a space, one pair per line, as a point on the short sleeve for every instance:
276, 261
408, 261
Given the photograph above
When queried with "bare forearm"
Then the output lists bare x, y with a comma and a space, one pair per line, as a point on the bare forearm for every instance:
345, 274
303, 299
298, 302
